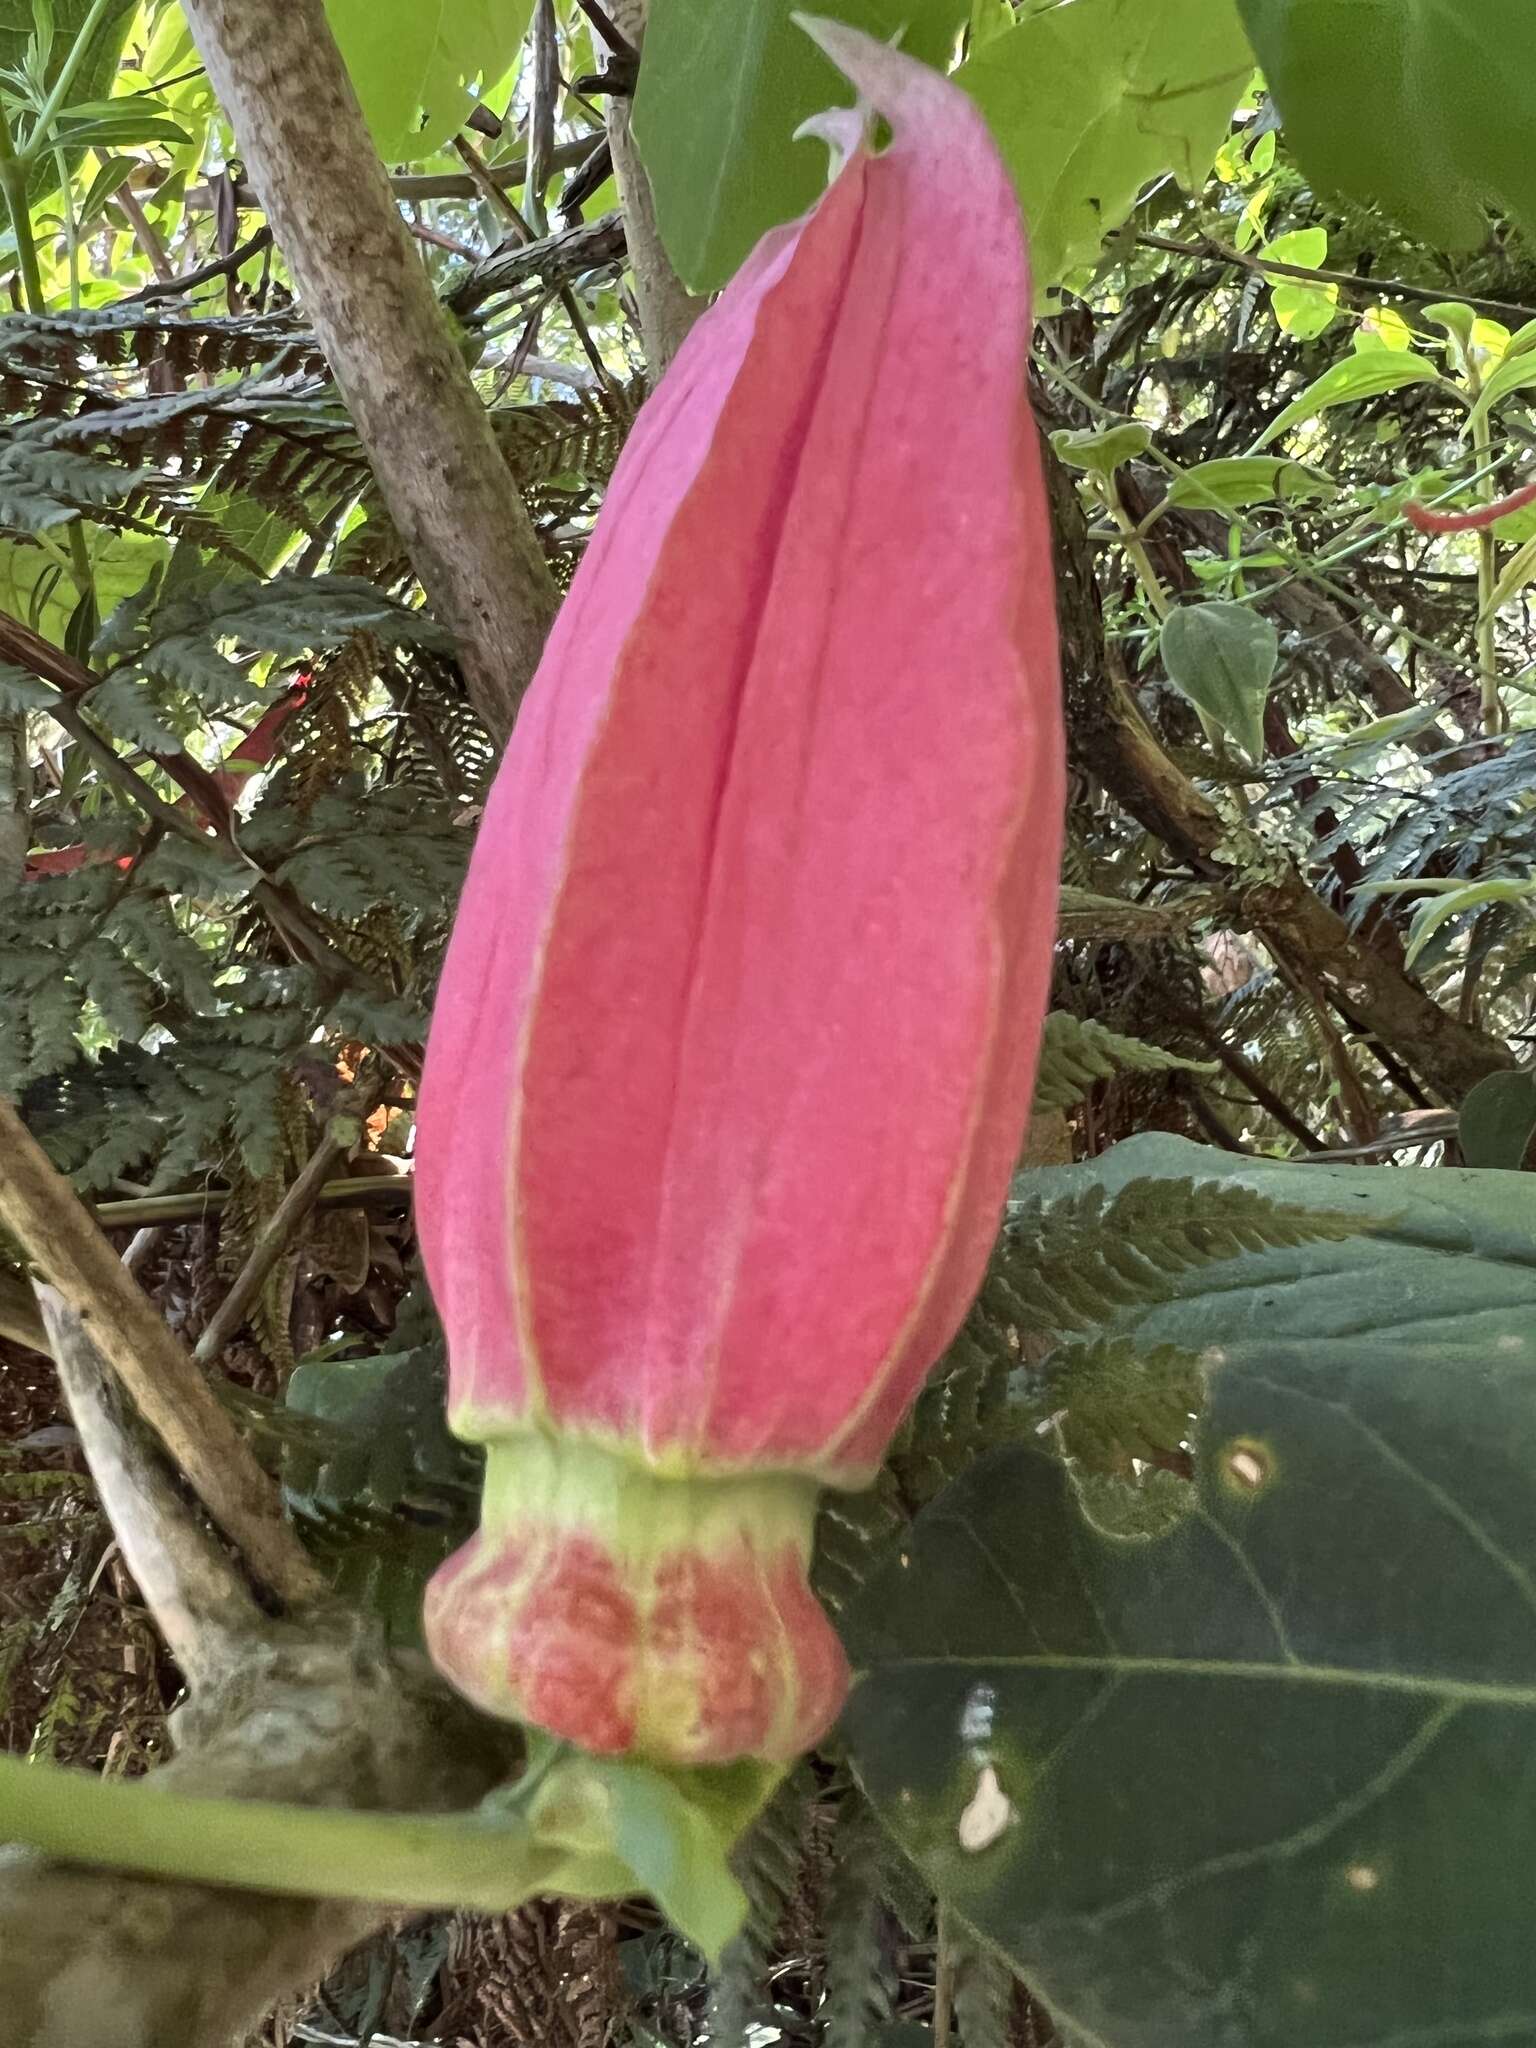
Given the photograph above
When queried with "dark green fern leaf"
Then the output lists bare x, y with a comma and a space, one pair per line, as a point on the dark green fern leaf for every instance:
1071, 1264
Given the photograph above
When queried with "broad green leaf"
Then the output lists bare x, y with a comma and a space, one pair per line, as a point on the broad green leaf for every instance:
1090, 101
1498, 1119
1517, 372
1104, 450
1447, 897
1515, 575
1263, 1779
723, 89
1382, 327
1455, 318
1302, 309
989, 18
1366, 374
411, 63
93, 75
1222, 658
1517, 526
1233, 481
114, 172
37, 587
1366, 740
1461, 902
1423, 106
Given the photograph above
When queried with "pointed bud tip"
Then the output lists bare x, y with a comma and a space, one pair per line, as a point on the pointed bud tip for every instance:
842, 129
887, 80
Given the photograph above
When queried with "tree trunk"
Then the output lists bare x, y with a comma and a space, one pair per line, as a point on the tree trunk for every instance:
280, 77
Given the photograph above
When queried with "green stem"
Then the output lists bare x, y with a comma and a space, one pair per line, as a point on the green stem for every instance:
80, 564
1487, 579
71, 229
427, 1861
1136, 553
13, 180
48, 112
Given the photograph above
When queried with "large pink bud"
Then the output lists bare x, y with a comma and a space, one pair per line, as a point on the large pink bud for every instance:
734, 1046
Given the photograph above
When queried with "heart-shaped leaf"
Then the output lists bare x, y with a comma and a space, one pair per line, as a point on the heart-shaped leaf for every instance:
1222, 658
1497, 1121
1264, 1778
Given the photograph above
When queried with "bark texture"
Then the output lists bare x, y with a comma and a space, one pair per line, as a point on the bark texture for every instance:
279, 76
667, 310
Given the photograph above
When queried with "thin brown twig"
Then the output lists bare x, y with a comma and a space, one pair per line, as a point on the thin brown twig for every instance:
541, 115
438, 240
269, 1247
413, 186
140, 1211
943, 1980
609, 30
487, 189
144, 234
574, 314
171, 286
1209, 248
62, 1239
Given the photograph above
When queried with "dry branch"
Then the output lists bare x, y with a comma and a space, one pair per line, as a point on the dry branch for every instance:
59, 1235
667, 310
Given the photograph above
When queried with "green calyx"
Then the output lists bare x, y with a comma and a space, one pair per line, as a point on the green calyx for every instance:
633, 1512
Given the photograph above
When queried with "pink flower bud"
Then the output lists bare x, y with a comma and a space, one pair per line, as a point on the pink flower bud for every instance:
735, 1041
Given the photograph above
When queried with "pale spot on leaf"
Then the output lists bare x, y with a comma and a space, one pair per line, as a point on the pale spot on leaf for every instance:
988, 1815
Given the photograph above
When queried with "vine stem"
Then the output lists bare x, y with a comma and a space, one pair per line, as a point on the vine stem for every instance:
429, 1862
13, 180
1136, 553
1487, 581
59, 90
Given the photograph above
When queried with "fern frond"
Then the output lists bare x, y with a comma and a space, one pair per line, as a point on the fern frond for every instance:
767, 1861
1115, 1402
1077, 1262
1075, 1052
1084, 915
563, 437
984, 1990
860, 1979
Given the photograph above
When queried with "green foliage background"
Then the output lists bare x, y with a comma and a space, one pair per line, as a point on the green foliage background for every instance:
1191, 1608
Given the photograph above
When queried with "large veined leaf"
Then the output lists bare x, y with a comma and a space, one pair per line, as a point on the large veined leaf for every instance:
1222, 658
723, 89
1263, 1778
411, 62
1348, 381
93, 75
1425, 106
1090, 101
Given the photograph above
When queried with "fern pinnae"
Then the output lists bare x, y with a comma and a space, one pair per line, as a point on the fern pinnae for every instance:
860, 1977
1080, 1260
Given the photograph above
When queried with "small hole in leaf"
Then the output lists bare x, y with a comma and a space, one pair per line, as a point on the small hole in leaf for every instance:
1247, 1466
1362, 1877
